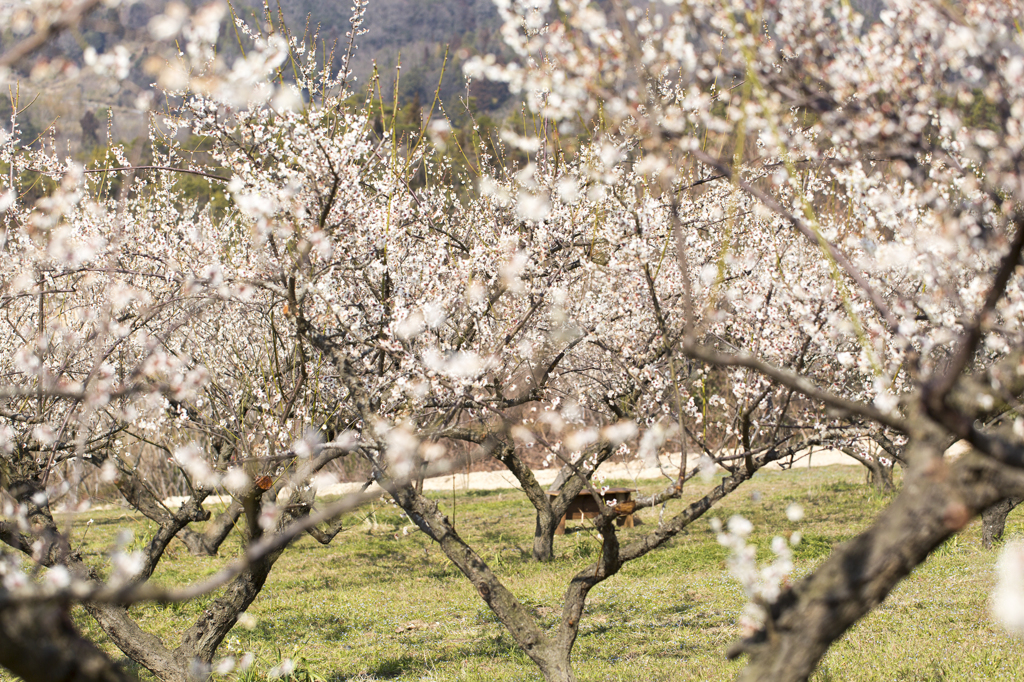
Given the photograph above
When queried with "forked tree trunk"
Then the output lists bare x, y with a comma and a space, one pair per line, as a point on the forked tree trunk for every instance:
879, 475
549, 510
209, 541
552, 651
551, 655
190, 661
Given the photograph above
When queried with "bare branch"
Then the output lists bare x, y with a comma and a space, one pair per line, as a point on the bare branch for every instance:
795, 381
972, 336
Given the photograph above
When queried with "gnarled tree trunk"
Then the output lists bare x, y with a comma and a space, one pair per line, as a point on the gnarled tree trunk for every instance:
938, 500
41, 644
993, 520
880, 477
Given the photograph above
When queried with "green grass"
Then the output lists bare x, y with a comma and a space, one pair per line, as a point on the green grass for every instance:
379, 604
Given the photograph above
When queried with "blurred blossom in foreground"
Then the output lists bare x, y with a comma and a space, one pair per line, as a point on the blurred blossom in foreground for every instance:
1008, 595
763, 585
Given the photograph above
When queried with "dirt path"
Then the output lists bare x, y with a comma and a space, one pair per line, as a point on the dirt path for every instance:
630, 471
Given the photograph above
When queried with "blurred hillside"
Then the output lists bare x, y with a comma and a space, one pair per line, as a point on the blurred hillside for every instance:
416, 34
78, 110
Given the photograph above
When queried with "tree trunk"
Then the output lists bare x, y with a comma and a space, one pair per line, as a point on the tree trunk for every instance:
41, 644
200, 641
571, 481
880, 477
937, 501
547, 512
556, 668
550, 657
140, 646
993, 520
209, 541
544, 535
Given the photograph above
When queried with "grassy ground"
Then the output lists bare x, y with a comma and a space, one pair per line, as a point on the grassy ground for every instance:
382, 604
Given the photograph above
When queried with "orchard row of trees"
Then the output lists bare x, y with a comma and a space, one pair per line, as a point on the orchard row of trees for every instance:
777, 225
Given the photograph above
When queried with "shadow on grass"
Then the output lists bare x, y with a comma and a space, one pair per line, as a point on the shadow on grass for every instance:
679, 609
482, 493
393, 667
815, 546
612, 617
487, 648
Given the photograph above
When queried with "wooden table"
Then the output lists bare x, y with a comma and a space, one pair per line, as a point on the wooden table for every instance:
584, 506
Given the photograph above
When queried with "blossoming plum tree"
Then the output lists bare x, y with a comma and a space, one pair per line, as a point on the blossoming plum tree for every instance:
890, 146
120, 337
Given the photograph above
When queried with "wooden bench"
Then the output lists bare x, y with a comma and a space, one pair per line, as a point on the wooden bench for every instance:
584, 506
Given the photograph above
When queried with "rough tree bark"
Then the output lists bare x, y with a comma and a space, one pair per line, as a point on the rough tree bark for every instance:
510, 611
142, 498
190, 660
993, 520
879, 475
216, 532
551, 509
41, 644
547, 516
936, 501
205, 543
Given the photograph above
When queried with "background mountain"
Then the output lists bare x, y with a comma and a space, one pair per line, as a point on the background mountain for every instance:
413, 33
78, 109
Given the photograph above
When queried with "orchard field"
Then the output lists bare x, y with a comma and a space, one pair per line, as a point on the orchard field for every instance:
383, 604
737, 230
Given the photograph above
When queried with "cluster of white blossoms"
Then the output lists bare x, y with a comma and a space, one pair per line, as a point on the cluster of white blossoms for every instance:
1008, 596
869, 182
437, 301
822, 169
763, 585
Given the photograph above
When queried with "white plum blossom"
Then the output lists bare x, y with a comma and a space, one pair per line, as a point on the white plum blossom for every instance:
1007, 601
764, 585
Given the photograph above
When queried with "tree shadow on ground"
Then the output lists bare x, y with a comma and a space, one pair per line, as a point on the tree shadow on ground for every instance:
480, 649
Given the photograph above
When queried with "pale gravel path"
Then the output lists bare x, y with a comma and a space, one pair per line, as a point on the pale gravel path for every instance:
630, 471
